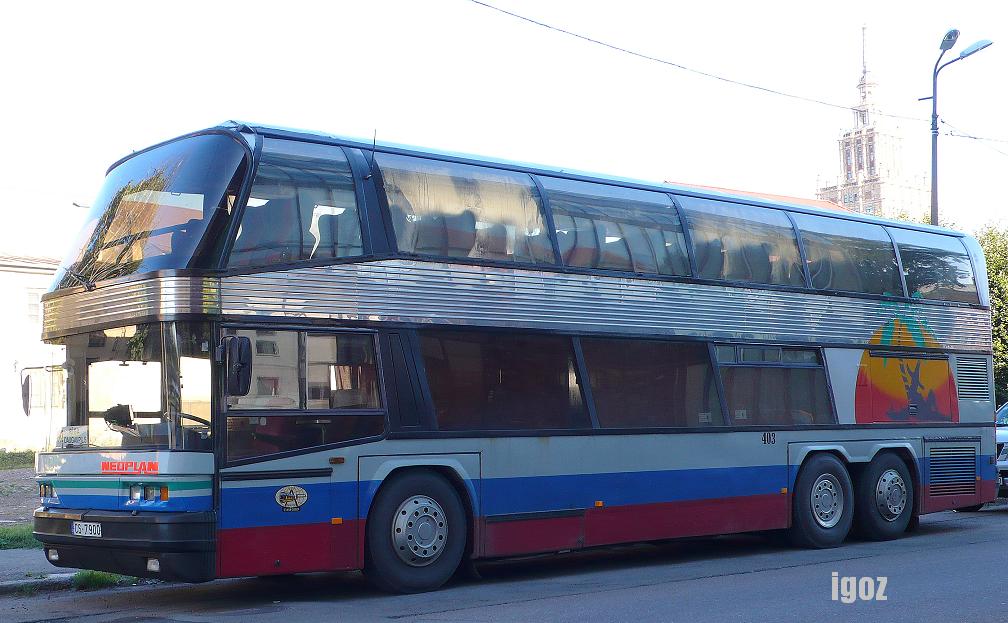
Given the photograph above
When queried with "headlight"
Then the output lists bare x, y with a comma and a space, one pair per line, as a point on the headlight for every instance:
1004, 454
150, 493
136, 492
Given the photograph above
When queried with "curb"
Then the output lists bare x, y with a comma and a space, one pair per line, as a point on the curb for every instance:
55, 581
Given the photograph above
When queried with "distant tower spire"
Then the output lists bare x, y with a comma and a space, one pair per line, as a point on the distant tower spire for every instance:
864, 63
862, 111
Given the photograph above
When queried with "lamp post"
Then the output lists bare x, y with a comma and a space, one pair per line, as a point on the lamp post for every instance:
947, 42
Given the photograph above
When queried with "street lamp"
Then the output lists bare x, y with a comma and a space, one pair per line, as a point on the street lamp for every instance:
947, 42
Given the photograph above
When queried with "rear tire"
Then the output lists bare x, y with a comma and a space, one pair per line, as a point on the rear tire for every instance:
884, 498
416, 533
822, 508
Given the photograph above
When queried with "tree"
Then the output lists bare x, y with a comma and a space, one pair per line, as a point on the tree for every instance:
994, 242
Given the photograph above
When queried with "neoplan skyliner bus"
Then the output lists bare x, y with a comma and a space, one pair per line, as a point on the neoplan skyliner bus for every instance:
291, 352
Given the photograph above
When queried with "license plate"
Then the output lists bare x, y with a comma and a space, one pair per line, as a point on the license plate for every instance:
86, 528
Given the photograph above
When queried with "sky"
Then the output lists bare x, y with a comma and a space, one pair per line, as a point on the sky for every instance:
83, 84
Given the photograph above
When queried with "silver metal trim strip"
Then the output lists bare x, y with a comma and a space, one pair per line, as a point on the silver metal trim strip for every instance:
432, 292
123, 303
440, 293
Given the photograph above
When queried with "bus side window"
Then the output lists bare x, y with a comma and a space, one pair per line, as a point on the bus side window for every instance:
341, 398
771, 386
849, 256
448, 209
502, 381
936, 266
615, 228
757, 244
302, 207
651, 384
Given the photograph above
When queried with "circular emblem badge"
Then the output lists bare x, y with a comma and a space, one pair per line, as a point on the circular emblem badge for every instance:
291, 498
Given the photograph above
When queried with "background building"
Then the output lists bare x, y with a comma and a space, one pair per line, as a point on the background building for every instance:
23, 280
872, 178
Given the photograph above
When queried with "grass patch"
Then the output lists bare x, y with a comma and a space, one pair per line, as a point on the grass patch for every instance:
17, 536
28, 590
92, 580
17, 460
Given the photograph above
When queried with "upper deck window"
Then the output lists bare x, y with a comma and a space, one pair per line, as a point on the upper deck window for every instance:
302, 207
601, 226
849, 256
738, 242
936, 266
163, 208
458, 210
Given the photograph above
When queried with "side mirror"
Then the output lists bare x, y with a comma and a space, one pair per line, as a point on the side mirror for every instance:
26, 394
237, 351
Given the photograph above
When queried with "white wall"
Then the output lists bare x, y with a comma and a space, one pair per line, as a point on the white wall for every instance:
20, 347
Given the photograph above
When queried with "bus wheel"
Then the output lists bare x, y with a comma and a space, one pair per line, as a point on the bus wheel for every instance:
823, 503
416, 533
885, 496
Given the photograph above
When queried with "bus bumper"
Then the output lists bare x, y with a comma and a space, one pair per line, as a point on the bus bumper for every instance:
181, 543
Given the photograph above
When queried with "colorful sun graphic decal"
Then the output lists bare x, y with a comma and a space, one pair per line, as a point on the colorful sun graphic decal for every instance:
893, 387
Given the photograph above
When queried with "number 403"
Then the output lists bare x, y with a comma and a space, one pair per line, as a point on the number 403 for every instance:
769, 438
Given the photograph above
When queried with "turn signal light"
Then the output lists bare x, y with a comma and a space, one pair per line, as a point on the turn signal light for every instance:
164, 493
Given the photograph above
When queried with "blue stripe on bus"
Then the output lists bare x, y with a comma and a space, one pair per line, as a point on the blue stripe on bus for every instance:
244, 507
248, 507
546, 493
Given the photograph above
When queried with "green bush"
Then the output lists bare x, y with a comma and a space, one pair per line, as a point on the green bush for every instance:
17, 460
17, 536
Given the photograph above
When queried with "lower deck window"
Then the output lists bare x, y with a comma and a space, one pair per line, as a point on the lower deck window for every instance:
649, 383
497, 381
319, 389
788, 388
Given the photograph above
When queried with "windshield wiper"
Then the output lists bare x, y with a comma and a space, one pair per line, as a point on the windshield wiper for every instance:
81, 279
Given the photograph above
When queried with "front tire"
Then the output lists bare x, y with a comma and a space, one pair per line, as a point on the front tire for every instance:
884, 499
416, 533
822, 509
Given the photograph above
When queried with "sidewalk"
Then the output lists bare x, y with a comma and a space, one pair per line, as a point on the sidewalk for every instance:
27, 570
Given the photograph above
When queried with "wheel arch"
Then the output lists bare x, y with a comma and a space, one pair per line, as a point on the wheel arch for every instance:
462, 472
855, 455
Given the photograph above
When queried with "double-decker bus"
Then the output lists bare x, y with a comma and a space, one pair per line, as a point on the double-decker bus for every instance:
292, 352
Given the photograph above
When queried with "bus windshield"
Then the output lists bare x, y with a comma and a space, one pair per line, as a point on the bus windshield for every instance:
140, 386
160, 209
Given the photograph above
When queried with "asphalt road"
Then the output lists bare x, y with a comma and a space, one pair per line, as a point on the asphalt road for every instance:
952, 569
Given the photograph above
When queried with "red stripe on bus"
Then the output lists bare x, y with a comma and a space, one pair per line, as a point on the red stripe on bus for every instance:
287, 549
623, 524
